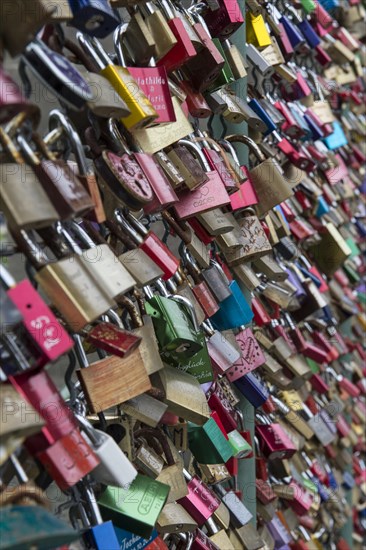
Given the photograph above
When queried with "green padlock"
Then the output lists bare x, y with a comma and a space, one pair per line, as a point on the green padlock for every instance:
308, 5
173, 325
136, 509
33, 527
208, 444
353, 246
239, 445
351, 272
199, 365
226, 75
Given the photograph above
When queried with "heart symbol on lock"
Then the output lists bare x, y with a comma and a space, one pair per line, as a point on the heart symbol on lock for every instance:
252, 355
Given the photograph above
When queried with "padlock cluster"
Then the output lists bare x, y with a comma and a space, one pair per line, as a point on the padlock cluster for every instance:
183, 224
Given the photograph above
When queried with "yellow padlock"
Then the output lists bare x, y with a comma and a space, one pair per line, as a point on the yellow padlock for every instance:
142, 112
257, 33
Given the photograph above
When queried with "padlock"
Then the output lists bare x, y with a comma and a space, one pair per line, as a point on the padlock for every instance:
41, 528
58, 180
142, 326
121, 173
256, 31
48, 335
39, 390
112, 339
234, 311
201, 502
173, 518
124, 382
145, 408
139, 513
183, 50
67, 460
253, 389
273, 441
162, 35
142, 112
184, 395
27, 18
206, 66
152, 80
200, 289
218, 536
208, 444
57, 74
12, 102
94, 17
264, 177
109, 454
195, 101
149, 243
209, 196
84, 174
95, 532
223, 354
223, 22
252, 355
193, 171
101, 257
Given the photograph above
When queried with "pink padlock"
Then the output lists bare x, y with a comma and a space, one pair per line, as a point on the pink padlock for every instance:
200, 502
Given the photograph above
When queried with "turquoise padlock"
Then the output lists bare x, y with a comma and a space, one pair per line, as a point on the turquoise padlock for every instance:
337, 139
322, 207
234, 311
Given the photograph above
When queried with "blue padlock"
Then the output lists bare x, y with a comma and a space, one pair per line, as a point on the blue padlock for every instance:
93, 17
294, 34
299, 118
322, 207
234, 311
131, 541
348, 480
316, 131
253, 389
329, 5
337, 139
262, 113
309, 34
102, 537
361, 227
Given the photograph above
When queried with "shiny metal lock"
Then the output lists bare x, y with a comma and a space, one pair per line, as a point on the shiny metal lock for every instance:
184, 395
216, 222
269, 183
213, 276
110, 455
142, 268
174, 518
146, 409
62, 186
193, 244
57, 120
142, 112
144, 329
235, 59
71, 288
200, 289
99, 259
18, 181
222, 353
139, 39
163, 37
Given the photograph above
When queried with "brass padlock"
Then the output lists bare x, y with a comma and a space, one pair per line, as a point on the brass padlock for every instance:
270, 185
